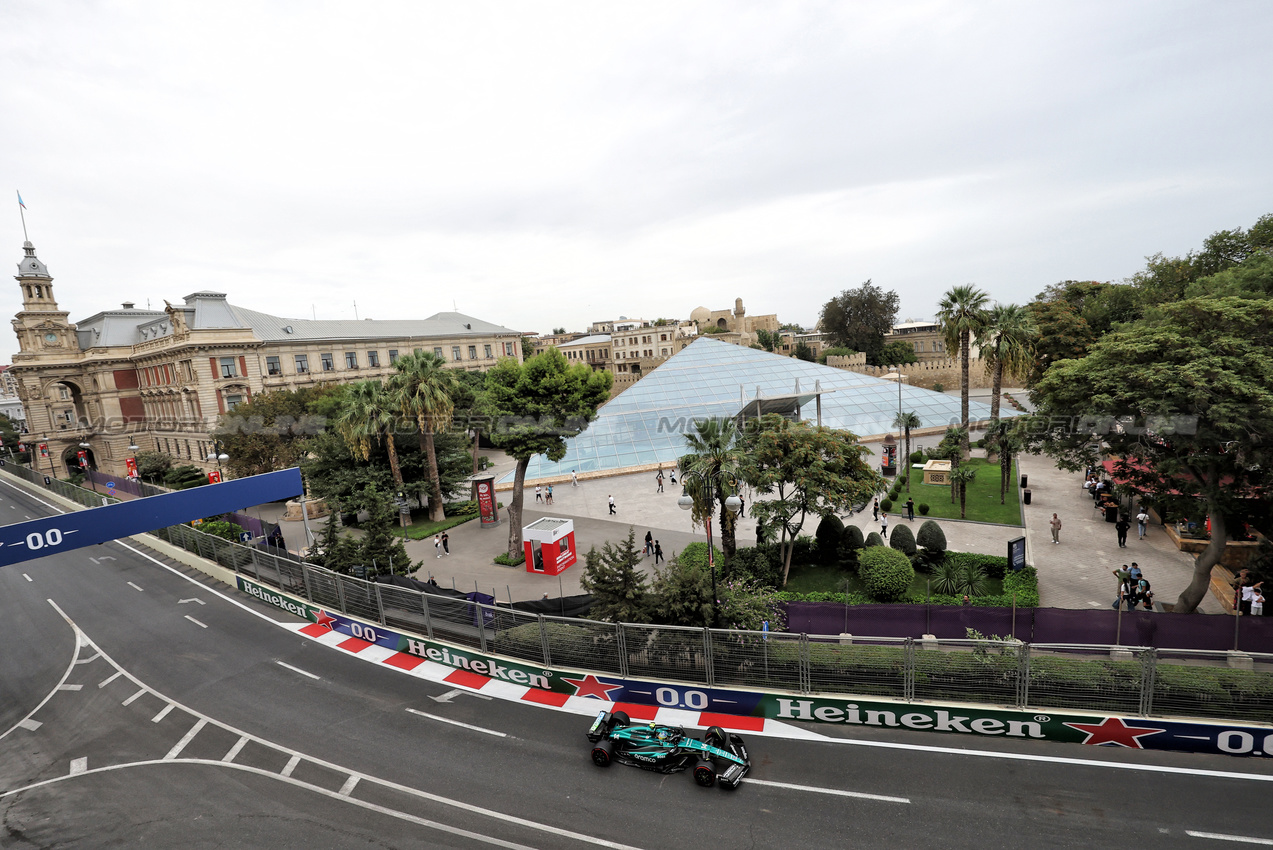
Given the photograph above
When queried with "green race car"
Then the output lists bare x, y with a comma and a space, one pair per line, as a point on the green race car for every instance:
668, 749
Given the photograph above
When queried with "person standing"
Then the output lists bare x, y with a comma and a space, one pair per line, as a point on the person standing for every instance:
548, 495
659, 478
446, 544
1122, 527
574, 478
1142, 522
437, 545
875, 510
884, 527
910, 509
539, 493
1055, 525
611, 500
649, 545
658, 553
1125, 580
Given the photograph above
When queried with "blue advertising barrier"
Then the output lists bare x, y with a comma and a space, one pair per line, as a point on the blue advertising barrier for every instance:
36, 538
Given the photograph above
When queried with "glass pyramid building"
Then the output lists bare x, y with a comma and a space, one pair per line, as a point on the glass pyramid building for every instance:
647, 422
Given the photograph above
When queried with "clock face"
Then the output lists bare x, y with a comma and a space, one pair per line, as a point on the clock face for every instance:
50, 337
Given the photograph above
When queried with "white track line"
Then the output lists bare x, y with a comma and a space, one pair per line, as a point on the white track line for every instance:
297, 670
458, 723
882, 798
1220, 836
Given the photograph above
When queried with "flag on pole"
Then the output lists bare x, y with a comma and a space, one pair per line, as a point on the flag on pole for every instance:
24, 206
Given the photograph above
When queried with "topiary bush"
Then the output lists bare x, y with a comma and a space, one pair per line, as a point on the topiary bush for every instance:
872, 539
902, 540
917, 457
828, 535
886, 573
923, 509
886, 505
851, 541
758, 564
933, 539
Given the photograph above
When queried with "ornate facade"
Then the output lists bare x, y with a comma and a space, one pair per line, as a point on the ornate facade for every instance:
158, 379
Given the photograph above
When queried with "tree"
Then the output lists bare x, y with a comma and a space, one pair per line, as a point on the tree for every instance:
153, 466
1004, 436
369, 413
10, 438
804, 352
905, 421
1177, 401
557, 331
767, 340
960, 478
803, 469
715, 455
896, 354
859, 319
1005, 341
834, 352
886, 573
961, 314
381, 549
345, 485
424, 389
618, 587
683, 589
271, 430
538, 404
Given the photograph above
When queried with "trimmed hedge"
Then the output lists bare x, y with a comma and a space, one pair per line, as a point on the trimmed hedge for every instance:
902, 540
828, 535
874, 539
886, 573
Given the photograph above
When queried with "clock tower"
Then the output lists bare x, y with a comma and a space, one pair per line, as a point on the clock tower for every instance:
42, 328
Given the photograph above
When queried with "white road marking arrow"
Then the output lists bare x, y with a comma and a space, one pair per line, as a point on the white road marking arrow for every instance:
184, 601
450, 695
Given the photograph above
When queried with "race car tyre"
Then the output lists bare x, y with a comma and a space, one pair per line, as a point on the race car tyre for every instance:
601, 753
704, 774
716, 737
619, 719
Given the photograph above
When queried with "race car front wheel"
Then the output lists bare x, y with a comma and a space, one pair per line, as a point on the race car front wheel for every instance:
715, 736
619, 719
601, 753
705, 774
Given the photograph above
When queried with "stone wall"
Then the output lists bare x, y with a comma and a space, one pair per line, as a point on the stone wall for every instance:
928, 374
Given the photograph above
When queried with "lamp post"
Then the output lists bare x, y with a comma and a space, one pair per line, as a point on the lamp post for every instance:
218, 455
88, 471
134, 473
686, 502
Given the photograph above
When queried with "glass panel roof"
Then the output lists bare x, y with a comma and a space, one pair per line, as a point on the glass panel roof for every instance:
647, 422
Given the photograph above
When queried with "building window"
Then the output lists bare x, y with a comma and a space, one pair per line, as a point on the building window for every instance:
437, 351
302, 364
328, 363
487, 349
228, 368
373, 359
472, 352
68, 415
63, 392
393, 356
351, 359
662, 337
231, 402
508, 349
455, 352
273, 366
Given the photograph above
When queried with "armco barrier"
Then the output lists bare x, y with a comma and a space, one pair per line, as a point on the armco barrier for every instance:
701, 668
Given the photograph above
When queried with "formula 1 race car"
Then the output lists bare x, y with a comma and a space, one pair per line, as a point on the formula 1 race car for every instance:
667, 749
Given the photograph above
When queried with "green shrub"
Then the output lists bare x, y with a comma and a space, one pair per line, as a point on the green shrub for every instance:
757, 563
828, 535
902, 540
872, 539
923, 508
959, 579
694, 556
917, 457
1024, 583
993, 566
886, 573
852, 538
886, 505
802, 550
503, 560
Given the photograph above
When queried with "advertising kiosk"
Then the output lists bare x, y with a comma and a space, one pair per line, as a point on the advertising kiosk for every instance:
549, 544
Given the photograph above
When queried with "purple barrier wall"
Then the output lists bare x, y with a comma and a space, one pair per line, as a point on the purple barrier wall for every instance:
1035, 625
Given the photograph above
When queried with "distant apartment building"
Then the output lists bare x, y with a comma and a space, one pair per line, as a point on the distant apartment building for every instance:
925, 338
594, 350
162, 377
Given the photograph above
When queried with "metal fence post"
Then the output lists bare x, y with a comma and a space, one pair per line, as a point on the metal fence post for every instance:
804, 666
621, 642
428, 621
710, 677
380, 603
543, 641
908, 673
309, 592
340, 595
481, 625
1148, 678
1023, 675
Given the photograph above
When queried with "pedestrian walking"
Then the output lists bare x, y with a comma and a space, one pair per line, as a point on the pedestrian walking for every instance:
1122, 526
611, 499
548, 495
875, 510
574, 478
673, 474
649, 545
1055, 525
1126, 585
658, 553
539, 493
437, 545
884, 527
659, 478
910, 509
1142, 522
446, 544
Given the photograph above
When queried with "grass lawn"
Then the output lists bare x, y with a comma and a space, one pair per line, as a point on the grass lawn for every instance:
820, 579
983, 496
422, 529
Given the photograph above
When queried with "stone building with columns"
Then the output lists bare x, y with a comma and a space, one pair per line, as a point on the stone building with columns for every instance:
158, 379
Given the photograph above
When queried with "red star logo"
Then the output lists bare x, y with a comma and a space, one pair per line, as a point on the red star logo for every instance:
1113, 730
591, 686
322, 618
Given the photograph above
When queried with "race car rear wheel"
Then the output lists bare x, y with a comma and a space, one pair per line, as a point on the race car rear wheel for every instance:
705, 774
601, 753
620, 718
715, 736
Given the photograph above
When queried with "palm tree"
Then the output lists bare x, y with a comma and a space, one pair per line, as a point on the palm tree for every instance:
425, 389
1007, 439
961, 314
960, 478
906, 421
1006, 341
369, 410
715, 455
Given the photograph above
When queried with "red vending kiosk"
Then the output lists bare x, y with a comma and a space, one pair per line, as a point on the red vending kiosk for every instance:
549, 544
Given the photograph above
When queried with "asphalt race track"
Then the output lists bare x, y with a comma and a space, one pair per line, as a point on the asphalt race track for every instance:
141, 706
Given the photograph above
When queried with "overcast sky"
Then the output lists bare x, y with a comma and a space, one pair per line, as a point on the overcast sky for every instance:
540, 164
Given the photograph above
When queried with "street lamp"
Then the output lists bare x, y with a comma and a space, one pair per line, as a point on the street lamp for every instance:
135, 473
88, 471
732, 504
219, 455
